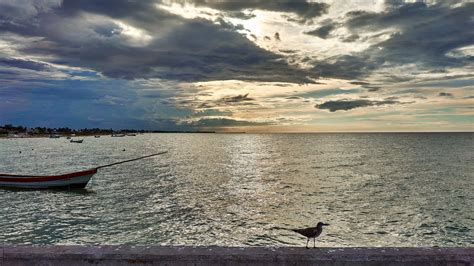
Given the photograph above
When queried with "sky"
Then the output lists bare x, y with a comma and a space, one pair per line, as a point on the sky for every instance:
233, 66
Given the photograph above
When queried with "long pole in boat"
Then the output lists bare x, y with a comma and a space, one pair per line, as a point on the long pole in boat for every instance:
126, 161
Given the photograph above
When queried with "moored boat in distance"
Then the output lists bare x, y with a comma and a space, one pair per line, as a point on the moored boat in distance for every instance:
71, 180
76, 141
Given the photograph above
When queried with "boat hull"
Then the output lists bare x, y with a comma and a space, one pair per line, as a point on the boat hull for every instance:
72, 180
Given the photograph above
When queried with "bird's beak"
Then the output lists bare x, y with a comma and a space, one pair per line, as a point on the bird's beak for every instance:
326, 224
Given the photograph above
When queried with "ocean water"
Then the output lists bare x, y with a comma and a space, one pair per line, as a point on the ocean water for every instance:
413, 189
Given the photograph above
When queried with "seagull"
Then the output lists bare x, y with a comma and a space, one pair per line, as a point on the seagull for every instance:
311, 232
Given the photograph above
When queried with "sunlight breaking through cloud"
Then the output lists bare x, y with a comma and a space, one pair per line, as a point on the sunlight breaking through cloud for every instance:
252, 65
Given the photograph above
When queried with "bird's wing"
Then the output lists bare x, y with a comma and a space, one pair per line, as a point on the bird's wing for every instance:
304, 231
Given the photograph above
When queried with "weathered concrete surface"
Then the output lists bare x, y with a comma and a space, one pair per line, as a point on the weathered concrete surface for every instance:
124, 255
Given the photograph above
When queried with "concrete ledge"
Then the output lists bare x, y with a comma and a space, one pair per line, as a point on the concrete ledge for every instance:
155, 255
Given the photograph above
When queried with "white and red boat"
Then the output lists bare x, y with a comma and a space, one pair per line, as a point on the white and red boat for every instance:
71, 180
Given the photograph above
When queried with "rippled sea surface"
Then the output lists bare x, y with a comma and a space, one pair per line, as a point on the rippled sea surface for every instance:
246, 190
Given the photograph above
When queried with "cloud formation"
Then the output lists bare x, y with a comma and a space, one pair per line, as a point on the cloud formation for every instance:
183, 64
414, 33
23, 10
136, 40
304, 9
323, 31
345, 105
221, 122
237, 99
24, 64
445, 94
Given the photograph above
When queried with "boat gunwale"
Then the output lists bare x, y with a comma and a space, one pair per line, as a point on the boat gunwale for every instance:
33, 178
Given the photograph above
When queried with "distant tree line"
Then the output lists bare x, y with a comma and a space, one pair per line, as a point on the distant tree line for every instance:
11, 129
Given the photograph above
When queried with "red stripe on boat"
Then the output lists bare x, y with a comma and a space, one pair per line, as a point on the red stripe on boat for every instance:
31, 178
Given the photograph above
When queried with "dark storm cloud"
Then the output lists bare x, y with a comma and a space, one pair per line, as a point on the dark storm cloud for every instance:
228, 25
349, 66
237, 99
424, 35
143, 11
276, 36
25, 64
346, 105
448, 28
323, 31
445, 94
367, 85
361, 83
18, 11
372, 88
240, 14
108, 29
351, 38
176, 48
304, 9
241, 99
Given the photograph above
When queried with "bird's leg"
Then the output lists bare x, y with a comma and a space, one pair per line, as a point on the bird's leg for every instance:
314, 242
307, 241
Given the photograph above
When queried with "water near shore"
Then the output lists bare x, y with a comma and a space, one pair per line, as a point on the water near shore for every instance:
243, 189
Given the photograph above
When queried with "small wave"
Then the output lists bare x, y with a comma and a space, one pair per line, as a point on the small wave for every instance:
345, 165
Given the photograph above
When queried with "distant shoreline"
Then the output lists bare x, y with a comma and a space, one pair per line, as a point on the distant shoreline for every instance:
27, 136
11, 131
24, 136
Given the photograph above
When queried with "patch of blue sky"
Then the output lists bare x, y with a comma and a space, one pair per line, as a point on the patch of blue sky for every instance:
441, 110
452, 118
448, 83
70, 102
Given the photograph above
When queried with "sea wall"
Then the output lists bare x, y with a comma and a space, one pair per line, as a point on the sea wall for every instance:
154, 255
